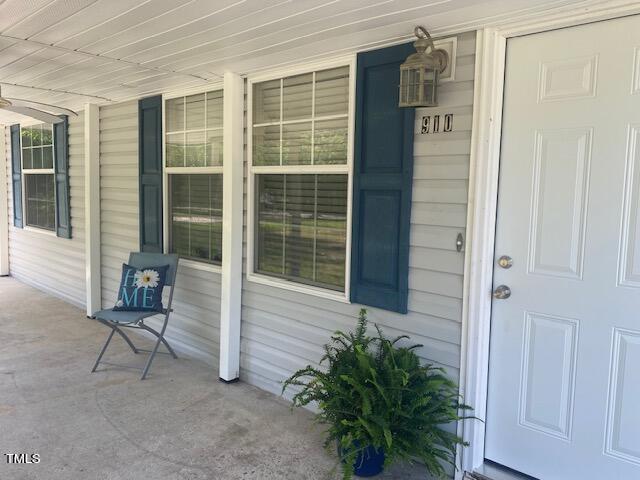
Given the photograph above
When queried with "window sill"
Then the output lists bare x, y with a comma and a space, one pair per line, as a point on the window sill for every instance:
298, 287
42, 231
202, 266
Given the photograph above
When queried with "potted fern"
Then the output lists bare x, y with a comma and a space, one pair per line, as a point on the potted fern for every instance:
380, 404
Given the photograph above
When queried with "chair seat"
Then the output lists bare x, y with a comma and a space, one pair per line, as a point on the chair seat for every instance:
124, 316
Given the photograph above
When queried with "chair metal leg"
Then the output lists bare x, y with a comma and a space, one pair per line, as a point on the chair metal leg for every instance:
121, 333
161, 337
150, 359
104, 348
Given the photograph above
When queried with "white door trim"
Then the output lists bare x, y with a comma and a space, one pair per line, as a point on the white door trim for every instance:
482, 202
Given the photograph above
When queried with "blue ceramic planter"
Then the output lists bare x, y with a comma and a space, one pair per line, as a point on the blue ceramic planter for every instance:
369, 462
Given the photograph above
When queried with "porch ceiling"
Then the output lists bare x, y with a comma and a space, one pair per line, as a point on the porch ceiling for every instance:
70, 52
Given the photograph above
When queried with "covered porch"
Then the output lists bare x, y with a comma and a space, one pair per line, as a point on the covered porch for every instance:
269, 147
184, 424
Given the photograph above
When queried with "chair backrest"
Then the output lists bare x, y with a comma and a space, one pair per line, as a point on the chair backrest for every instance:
145, 259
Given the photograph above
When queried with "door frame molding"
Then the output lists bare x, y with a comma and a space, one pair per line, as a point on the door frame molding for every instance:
491, 43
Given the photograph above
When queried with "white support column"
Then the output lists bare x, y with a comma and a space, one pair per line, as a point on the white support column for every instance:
232, 227
92, 207
4, 206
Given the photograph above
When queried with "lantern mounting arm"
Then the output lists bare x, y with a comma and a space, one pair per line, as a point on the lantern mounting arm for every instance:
425, 41
421, 32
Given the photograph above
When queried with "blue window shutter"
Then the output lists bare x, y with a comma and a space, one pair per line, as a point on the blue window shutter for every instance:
63, 208
16, 175
150, 160
383, 171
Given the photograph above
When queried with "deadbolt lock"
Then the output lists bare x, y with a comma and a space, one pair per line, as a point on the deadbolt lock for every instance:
505, 261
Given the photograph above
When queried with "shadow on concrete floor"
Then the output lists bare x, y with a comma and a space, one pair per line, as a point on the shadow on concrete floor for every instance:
181, 423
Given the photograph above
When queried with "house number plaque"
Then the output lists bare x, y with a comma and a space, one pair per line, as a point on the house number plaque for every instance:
437, 123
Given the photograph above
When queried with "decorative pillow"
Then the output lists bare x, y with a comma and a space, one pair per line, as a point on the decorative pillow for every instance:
141, 288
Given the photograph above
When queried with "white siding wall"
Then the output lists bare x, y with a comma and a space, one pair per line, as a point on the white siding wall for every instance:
194, 326
284, 330
55, 265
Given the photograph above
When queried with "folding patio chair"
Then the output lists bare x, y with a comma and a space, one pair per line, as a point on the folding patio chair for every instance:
117, 320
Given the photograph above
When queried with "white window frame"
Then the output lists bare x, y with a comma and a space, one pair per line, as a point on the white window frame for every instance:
252, 171
38, 171
166, 171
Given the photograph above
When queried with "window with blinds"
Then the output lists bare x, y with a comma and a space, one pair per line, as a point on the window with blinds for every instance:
39, 176
193, 165
300, 175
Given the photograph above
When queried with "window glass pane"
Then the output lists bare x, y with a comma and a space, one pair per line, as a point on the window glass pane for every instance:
175, 150
215, 205
36, 135
214, 148
200, 217
266, 145
332, 92
26, 136
266, 102
179, 214
330, 142
296, 144
302, 228
40, 201
47, 157
27, 163
297, 97
331, 229
175, 114
195, 111
195, 204
299, 226
195, 149
214, 109
36, 156
270, 231
47, 134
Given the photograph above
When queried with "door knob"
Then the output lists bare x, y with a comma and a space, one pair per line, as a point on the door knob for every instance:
502, 292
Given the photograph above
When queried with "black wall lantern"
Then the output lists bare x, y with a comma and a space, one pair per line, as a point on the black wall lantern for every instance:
420, 71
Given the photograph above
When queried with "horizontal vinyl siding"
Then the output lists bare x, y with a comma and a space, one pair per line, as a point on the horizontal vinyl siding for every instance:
284, 330
55, 265
194, 324
118, 193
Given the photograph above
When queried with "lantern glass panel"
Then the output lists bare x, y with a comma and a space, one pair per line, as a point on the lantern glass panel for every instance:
429, 87
404, 86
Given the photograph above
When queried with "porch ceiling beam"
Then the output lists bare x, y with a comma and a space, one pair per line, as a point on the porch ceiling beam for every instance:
54, 90
46, 46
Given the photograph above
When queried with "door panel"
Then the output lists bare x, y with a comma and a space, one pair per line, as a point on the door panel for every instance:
564, 386
548, 374
623, 423
560, 184
630, 242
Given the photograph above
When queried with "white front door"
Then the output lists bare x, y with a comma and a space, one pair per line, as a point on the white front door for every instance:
564, 375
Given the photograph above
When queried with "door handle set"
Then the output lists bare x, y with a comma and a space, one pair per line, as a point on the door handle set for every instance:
502, 292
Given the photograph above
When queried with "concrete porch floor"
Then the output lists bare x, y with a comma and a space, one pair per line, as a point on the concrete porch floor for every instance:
180, 423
